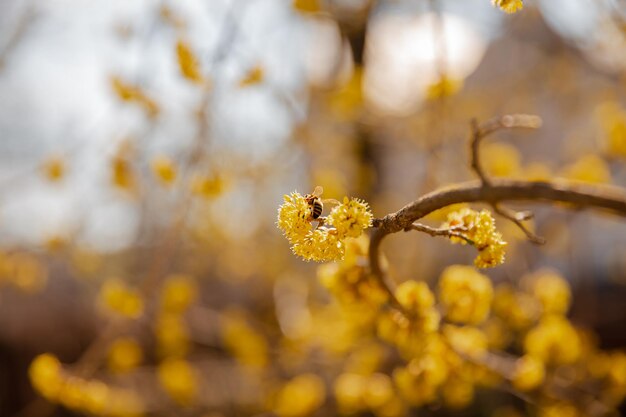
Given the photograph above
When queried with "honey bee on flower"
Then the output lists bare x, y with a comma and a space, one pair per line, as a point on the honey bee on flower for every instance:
325, 241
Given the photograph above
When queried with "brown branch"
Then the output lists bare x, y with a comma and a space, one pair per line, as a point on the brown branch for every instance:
439, 232
576, 195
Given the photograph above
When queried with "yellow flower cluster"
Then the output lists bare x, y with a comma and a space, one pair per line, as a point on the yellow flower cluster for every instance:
529, 373
588, 168
177, 294
480, 229
301, 396
88, 396
244, 342
356, 393
179, 380
508, 6
124, 355
465, 294
22, 271
326, 243
550, 289
554, 341
350, 280
417, 299
117, 297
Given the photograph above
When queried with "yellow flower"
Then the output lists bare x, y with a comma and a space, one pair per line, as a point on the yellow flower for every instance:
444, 87
320, 245
465, 294
54, 168
588, 168
349, 389
164, 169
124, 355
178, 292
254, 76
466, 340
207, 186
419, 302
550, 289
45, 374
293, 217
301, 396
133, 94
480, 229
508, 6
529, 373
306, 6
245, 343
553, 341
188, 63
458, 393
350, 218
117, 297
179, 380
172, 335
419, 381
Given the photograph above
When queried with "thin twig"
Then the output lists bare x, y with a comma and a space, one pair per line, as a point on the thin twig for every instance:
439, 232
518, 218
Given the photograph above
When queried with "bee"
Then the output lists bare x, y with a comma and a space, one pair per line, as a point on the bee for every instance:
315, 203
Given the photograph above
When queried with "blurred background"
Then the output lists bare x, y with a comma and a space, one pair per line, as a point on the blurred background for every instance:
146, 146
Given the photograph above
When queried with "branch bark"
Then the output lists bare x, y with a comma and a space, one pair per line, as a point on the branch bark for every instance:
578, 196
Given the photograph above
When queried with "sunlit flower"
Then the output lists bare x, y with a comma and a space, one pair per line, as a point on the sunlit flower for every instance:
293, 217
179, 380
550, 289
350, 218
124, 355
554, 341
508, 6
479, 228
529, 373
301, 396
465, 294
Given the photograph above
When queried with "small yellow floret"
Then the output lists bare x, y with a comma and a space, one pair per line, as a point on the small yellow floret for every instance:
550, 289
54, 168
188, 63
117, 297
254, 76
45, 375
178, 292
553, 341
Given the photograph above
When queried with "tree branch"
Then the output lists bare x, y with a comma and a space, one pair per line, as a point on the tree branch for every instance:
578, 196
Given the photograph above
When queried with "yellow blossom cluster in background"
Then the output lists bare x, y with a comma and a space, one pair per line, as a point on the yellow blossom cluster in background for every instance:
347, 220
88, 396
479, 229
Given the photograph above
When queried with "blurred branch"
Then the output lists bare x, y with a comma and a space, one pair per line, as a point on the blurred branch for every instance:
17, 35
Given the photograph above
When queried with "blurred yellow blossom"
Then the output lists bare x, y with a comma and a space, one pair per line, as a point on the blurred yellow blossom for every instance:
124, 355
508, 6
207, 186
466, 340
164, 169
133, 94
246, 344
444, 87
550, 289
501, 159
301, 396
529, 373
306, 6
54, 168
465, 294
458, 393
119, 298
255, 75
554, 341
172, 335
45, 375
588, 168
187, 62
179, 380
178, 292
417, 299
